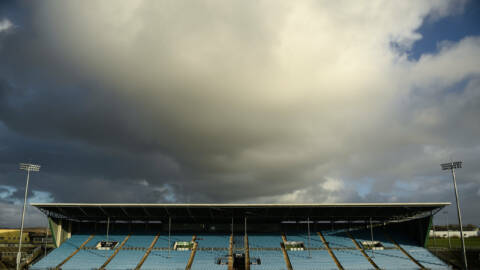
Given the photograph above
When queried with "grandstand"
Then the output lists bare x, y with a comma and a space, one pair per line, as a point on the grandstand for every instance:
240, 236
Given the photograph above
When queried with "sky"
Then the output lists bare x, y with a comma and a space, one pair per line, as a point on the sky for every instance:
239, 101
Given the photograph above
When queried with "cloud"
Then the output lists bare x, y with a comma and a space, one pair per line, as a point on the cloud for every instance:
12, 214
252, 101
41, 197
330, 191
11, 207
5, 25
7, 195
6, 192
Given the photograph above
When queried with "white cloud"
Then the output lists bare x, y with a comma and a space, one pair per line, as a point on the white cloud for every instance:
167, 192
41, 197
5, 25
275, 84
6, 193
143, 182
332, 185
330, 190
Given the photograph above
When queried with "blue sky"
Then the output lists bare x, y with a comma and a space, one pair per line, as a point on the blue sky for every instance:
448, 29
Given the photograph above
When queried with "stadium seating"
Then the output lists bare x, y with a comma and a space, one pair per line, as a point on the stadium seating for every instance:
128, 258
172, 260
205, 259
238, 241
213, 240
92, 258
59, 254
263, 246
270, 259
378, 235
421, 254
352, 259
315, 241
210, 247
426, 258
319, 259
338, 239
264, 240
162, 241
347, 255
88, 259
136, 241
392, 258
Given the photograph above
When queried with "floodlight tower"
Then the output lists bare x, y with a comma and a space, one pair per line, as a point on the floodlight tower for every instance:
29, 168
452, 166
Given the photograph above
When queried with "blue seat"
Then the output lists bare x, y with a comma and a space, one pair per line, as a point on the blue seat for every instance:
61, 253
92, 258
392, 258
378, 235
264, 240
266, 247
208, 251
139, 241
129, 258
162, 241
352, 259
319, 259
213, 240
163, 259
338, 239
205, 259
315, 241
270, 260
421, 254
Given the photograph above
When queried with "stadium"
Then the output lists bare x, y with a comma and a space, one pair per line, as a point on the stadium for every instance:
240, 236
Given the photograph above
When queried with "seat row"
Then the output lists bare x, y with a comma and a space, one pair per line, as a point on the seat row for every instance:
264, 246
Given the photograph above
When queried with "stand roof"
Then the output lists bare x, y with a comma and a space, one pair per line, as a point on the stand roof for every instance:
223, 213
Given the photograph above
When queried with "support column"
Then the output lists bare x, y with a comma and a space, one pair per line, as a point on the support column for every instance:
147, 252
325, 243
404, 251
114, 253
192, 254
230, 253
363, 251
247, 250
59, 233
285, 253
247, 253
69, 232
75, 252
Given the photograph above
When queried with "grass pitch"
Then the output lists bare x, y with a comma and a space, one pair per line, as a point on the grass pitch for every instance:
471, 242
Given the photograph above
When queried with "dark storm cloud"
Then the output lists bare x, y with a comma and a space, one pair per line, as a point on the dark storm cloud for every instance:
212, 102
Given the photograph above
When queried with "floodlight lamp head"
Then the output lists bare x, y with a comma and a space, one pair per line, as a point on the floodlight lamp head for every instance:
29, 167
452, 165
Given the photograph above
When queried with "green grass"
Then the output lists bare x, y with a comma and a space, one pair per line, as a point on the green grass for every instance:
472, 242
